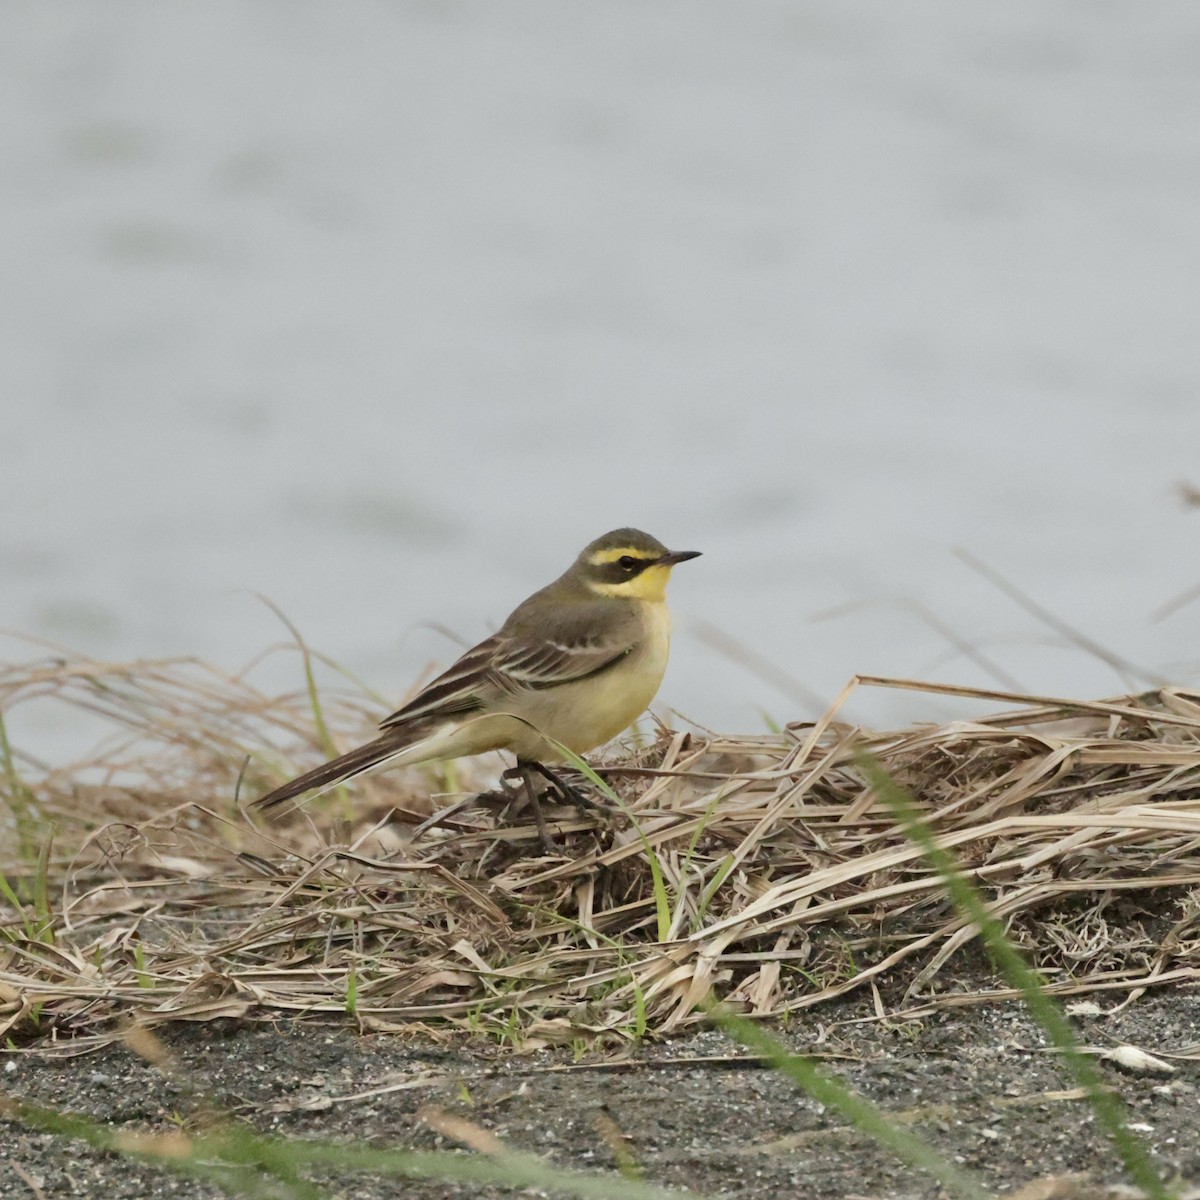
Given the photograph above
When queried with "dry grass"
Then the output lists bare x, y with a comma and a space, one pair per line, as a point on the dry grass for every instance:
762, 870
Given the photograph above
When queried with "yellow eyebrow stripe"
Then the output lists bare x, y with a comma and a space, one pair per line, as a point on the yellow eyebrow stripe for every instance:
607, 556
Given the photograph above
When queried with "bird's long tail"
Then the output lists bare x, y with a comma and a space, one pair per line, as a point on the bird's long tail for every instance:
355, 762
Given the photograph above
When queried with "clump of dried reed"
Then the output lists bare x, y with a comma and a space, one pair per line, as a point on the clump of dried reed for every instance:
760, 870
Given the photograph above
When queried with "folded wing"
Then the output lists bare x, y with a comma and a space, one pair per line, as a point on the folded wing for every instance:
507, 663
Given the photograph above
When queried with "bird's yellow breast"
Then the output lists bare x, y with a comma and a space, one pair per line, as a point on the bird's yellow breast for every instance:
589, 712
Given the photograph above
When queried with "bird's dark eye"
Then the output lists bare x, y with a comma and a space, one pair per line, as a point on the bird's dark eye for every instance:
627, 562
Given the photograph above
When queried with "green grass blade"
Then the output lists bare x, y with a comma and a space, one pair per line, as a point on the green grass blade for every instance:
859, 1112
324, 737
248, 1164
7, 893
1109, 1110
714, 885
662, 901
41, 892
21, 800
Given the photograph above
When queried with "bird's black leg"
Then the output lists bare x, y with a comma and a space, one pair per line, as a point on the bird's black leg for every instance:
524, 771
571, 794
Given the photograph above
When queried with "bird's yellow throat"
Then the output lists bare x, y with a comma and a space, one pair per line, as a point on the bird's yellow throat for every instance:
650, 584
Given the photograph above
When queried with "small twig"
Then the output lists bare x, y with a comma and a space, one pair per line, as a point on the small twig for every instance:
1122, 666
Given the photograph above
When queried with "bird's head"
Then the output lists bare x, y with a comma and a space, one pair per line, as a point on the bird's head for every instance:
628, 564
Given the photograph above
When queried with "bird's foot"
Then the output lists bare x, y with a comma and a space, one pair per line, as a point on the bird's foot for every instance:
524, 773
569, 792
559, 788
519, 781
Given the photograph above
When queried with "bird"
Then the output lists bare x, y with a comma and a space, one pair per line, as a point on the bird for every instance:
572, 666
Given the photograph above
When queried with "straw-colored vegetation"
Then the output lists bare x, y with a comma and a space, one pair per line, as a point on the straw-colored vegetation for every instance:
764, 871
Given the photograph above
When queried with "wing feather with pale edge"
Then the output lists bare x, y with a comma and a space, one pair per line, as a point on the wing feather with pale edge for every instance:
507, 662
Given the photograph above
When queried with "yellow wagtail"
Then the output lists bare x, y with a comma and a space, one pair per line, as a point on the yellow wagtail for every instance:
572, 666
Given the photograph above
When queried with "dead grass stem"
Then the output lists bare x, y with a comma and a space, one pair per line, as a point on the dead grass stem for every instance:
764, 871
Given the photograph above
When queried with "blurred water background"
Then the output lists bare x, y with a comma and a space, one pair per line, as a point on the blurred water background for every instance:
384, 309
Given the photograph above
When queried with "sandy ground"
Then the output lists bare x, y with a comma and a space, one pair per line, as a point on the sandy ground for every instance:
976, 1082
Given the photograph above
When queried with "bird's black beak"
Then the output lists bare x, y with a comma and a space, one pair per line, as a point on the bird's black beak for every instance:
677, 556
